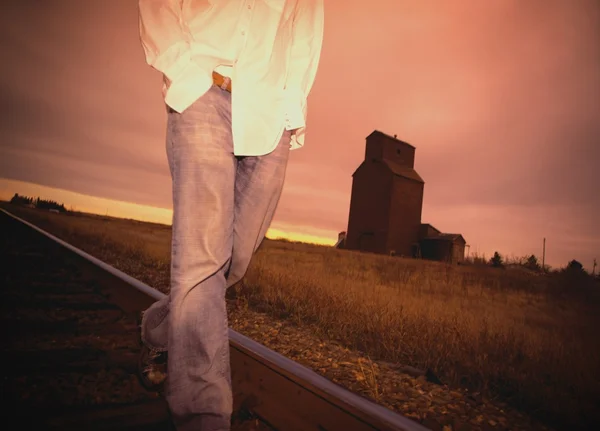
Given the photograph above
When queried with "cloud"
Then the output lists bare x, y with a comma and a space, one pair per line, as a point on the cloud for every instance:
501, 99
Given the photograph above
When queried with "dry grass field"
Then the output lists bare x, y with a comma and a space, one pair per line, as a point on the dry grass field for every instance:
529, 340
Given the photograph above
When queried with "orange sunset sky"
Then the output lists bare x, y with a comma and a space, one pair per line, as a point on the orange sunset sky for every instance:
501, 99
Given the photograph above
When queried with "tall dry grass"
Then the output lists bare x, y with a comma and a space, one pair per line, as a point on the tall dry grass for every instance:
512, 335
528, 339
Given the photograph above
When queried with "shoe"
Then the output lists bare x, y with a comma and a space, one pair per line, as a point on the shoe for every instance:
152, 364
152, 368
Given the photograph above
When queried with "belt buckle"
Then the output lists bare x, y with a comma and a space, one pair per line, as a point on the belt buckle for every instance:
226, 81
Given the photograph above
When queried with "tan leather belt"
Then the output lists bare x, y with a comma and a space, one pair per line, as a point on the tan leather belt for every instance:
222, 81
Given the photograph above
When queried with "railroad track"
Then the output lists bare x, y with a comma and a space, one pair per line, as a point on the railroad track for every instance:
70, 352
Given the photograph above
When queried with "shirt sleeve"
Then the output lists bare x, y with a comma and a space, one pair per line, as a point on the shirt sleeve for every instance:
166, 44
307, 38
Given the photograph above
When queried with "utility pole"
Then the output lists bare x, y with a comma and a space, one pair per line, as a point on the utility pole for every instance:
594, 268
544, 257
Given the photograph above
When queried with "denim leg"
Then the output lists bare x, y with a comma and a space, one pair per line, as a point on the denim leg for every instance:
203, 169
258, 187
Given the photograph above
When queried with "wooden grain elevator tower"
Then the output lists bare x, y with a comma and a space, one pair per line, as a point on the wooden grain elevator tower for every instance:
386, 199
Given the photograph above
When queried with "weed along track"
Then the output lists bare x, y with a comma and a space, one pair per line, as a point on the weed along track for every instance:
71, 350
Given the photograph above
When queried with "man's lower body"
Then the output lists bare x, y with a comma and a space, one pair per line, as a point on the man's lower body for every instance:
222, 208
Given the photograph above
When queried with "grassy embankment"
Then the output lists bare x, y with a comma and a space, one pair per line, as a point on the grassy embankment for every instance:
525, 338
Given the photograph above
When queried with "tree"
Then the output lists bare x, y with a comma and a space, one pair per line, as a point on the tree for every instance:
575, 266
37, 202
532, 263
20, 200
496, 260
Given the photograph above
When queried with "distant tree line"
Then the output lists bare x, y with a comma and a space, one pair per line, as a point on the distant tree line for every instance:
530, 263
37, 203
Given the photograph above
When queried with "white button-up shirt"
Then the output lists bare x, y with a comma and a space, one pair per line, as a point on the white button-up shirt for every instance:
269, 48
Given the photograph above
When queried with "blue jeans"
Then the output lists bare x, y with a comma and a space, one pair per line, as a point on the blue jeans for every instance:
222, 208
